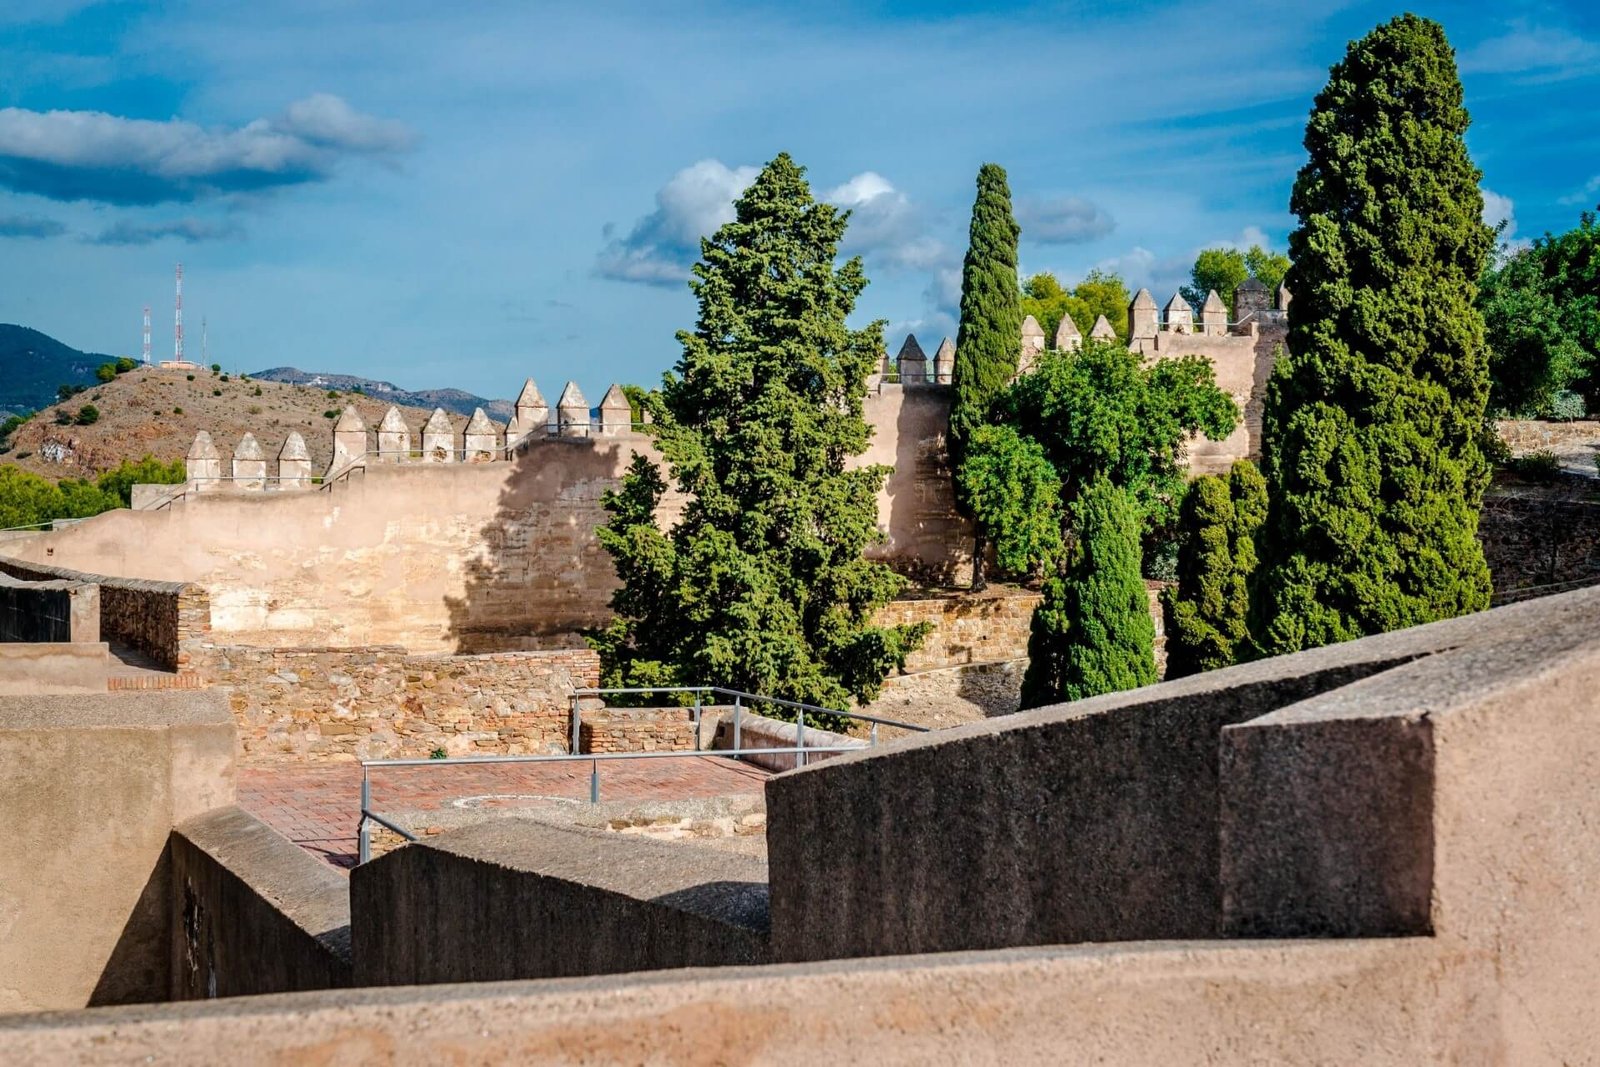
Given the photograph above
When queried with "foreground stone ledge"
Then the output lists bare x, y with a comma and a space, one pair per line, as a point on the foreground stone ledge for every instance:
1394, 1001
513, 898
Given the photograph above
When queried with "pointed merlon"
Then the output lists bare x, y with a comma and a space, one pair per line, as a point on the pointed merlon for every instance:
1031, 327
1284, 297
249, 448
572, 412
913, 361
1142, 317
481, 441
911, 349
1102, 330
1214, 315
944, 362
438, 423
530, 397
393, 421
480, 423
1068, 336
1143, 300
1213, 304
1178, 313
294, 447
616, 414
349, 420
203, 448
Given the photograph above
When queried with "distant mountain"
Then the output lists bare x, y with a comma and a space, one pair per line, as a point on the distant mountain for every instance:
456, 400
33, 364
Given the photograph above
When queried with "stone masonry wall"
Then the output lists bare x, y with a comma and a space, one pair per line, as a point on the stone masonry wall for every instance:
988, 628
636, 730
319, 705
168, 621
1538, 545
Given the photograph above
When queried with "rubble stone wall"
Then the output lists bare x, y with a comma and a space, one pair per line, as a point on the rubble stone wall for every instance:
319, 705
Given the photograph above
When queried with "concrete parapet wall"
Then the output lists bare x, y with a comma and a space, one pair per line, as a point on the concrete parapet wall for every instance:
165, 620
94, 784
518, 899
758, 732
252, 912
38, 669
318, 705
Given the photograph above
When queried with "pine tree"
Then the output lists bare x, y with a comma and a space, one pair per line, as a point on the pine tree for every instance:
761, 585
1206, 610
1093, 633
989, 337
1370, 445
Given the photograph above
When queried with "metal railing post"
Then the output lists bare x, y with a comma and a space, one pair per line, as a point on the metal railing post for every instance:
573, 702
800, 737
874, 735
594, 781
364, 834
697, 720
737, 709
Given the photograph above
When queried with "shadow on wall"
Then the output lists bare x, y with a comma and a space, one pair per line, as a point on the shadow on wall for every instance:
929, 541
540, 574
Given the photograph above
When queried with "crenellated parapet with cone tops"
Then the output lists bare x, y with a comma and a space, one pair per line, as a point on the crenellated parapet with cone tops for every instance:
436, 441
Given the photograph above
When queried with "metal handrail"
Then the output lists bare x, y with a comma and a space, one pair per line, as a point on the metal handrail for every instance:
364, 832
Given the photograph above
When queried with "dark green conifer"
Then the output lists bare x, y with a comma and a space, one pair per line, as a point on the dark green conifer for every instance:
1206, 610
989, 337
1093, 633
1370, 435
761, 585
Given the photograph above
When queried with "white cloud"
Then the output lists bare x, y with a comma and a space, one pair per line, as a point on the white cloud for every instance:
1544, 52
90, 155
1498, 210
663, 245
1584, 196
1063, 220
884, 225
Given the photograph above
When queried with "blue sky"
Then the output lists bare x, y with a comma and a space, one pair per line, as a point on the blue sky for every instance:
466, 194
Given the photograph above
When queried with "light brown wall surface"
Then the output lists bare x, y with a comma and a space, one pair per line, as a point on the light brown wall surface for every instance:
91, 787
927, 537
37, 669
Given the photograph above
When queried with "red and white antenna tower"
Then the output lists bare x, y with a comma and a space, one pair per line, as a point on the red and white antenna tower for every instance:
147, 335
177, 320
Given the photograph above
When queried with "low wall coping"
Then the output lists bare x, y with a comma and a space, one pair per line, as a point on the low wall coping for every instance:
147, 585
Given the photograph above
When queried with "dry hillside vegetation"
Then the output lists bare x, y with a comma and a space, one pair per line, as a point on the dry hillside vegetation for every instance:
159, 411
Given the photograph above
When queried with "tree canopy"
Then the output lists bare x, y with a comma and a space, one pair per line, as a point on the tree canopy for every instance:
1541, 307
989, 336
1372, 417
1222, 269
1099, 293
27, 499
761, 584
1207, 608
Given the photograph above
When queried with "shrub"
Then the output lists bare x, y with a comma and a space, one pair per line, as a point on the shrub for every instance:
63, 417
88, 415
124, 365
177, 411
216, 368
258, 389
255, 409
225, 378
216, 392
191, 377
439, 753
106, 371
1541, 466
330, 414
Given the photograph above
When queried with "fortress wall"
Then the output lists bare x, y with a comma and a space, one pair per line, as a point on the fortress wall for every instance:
1243, 363
928, 539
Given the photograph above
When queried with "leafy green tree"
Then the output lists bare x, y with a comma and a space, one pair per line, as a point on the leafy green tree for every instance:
1370, 436
1092, 633
1219, 269
761, 585
1015, 492
118, 483
105, 372
124, 365
1100, 411
1269, 268
1222, 269
1541, 308
26, 499
989, 336
1208, 607
1100, 293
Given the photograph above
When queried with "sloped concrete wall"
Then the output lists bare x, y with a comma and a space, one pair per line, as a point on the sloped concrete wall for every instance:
252, 912
518, 899
91, 787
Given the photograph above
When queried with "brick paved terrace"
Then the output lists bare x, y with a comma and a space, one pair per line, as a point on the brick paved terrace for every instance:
318, 807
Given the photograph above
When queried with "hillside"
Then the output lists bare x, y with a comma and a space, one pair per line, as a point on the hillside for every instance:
138, 414
452, 400
33, 364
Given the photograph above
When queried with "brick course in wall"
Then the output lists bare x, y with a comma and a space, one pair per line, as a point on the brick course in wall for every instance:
636, 730
319, 705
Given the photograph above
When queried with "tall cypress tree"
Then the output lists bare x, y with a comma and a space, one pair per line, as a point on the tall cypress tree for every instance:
1370, 435
1093, 633
1206, 609
761, 585
989, 338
